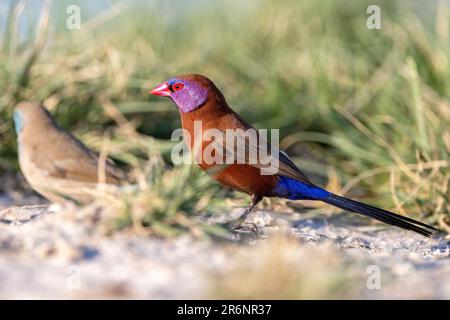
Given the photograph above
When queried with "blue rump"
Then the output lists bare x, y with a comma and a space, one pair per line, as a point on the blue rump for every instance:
295, 190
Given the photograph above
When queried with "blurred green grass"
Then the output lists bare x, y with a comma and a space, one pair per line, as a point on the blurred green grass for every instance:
373, 104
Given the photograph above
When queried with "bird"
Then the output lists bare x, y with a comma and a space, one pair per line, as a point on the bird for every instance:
55, 163
199, 100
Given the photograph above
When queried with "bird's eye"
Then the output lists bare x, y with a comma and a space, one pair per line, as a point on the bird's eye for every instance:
177, 86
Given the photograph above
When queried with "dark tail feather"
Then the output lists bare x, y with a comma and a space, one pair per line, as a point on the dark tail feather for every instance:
381, 215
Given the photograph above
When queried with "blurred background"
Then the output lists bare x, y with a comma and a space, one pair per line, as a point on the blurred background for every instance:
365, 112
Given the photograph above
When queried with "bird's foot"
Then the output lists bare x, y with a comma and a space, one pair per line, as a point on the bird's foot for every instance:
22, 214
245, 227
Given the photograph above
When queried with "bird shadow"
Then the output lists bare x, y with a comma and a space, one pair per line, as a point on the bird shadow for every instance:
307, 224
338, 220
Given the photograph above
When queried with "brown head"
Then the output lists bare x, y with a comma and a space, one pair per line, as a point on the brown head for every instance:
190, 92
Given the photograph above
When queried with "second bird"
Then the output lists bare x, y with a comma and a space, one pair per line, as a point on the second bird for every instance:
54, 162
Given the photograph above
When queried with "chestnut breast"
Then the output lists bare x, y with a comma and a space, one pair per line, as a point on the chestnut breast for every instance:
243, 177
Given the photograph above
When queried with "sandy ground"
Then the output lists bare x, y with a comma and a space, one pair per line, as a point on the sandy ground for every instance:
59, 253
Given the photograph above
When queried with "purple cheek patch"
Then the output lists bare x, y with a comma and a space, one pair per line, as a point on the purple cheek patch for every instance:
190, 97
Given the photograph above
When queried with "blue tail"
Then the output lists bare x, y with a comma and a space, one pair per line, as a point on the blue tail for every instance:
296, 190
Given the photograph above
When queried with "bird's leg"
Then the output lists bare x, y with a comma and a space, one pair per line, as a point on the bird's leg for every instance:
239, 224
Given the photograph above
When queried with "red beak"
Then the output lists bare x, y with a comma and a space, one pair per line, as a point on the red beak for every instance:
162, 90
